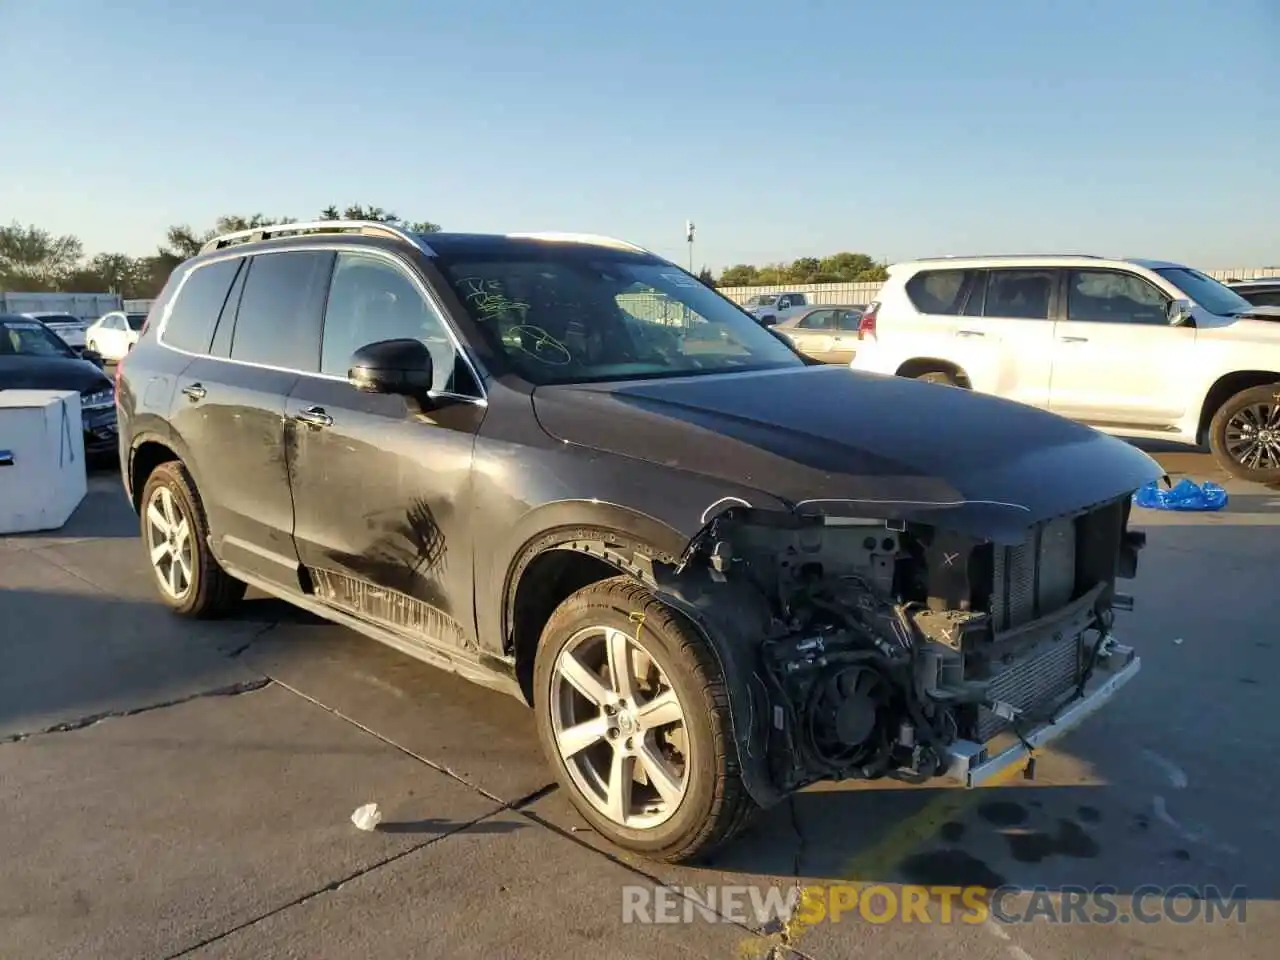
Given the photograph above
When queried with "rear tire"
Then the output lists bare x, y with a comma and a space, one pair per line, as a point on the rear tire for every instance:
688, 746
1244, 435
938, 376
175, 534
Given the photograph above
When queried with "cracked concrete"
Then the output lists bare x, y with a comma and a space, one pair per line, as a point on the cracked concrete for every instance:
233, 690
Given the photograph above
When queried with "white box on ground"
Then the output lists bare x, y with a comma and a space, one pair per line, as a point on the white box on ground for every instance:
42, 467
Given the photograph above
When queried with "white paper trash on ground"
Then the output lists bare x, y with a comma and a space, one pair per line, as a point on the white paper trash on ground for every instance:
42, 466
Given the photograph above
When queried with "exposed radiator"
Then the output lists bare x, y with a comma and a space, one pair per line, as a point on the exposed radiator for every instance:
1036, 577
1038, 678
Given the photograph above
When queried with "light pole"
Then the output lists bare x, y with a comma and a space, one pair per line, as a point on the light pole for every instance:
688, 235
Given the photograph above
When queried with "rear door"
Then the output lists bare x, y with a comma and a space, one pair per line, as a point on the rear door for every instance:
814, 333
230, 403
1116, 360
381, 485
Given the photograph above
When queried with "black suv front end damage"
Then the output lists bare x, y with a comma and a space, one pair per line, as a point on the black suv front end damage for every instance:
868, 648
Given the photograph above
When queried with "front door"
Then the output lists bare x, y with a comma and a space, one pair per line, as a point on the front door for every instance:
1116, 360
381, 485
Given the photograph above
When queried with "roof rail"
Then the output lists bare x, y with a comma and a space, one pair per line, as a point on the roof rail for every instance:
1008, 256
372, 228
594, 238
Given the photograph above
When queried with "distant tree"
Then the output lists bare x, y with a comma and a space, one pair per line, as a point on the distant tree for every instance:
836, 268
35, 260
378, 214
707, 277
740, 275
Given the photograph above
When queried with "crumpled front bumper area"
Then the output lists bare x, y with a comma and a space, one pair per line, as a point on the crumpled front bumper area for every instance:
974, 764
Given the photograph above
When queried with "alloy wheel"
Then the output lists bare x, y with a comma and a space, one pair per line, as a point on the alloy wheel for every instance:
1253, 436
169, 543
619, 728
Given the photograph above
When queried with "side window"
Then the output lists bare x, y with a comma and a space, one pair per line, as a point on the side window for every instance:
850, 320
221, 346
195, 311
818, 320
1019, 294
1265, 298
784, 303
1107, 296
938, 291
278, 323
372, 299
976, 301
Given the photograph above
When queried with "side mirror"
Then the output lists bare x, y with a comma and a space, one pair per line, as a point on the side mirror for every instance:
1180, 312
401, 367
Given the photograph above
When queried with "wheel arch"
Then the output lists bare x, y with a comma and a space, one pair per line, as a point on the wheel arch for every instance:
146, 452
571, 548
919, 365
1226, 387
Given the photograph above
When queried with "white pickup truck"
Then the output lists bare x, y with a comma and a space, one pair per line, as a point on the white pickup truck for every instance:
769, 308
1139, 348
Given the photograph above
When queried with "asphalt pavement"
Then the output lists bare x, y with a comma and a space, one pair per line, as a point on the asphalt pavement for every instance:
184, 790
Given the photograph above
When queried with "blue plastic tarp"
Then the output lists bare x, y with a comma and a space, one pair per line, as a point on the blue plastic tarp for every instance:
1185, 495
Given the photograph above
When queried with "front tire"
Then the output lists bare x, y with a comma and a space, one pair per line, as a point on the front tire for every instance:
175, 534
633, 714
1244, 435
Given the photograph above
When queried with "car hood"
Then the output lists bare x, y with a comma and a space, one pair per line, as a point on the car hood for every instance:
50, 373
839, 442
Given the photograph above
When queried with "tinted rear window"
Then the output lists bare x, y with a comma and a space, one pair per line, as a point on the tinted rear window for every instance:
279, 320
191, 321
939, 291
136, 320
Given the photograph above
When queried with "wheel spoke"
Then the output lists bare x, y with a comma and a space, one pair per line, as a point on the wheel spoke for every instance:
184, 562
159, 552
173, 577
660, 775
180, 535
660, 711
577, 738
621, 667
583, 680
621, 781
156, 518
166, 507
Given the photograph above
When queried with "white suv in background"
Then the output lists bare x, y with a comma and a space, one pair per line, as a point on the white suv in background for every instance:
1139, 348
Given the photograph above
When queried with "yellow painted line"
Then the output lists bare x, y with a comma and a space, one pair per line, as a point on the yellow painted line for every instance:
880, 858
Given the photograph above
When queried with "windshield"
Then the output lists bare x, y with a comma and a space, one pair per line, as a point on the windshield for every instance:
561, 318
29, 338
764, 300
136, 320
1215, 297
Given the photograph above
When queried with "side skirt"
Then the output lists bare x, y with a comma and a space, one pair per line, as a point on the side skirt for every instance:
496, 673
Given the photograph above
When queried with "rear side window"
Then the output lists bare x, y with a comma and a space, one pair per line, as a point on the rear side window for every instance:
818, 320
939, 291
278, 323
1019, 294
1264, 298
195, 311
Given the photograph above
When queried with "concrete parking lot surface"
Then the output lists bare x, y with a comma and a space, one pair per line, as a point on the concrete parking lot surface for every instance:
176, 789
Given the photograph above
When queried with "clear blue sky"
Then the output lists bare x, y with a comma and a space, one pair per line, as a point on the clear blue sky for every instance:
917, 127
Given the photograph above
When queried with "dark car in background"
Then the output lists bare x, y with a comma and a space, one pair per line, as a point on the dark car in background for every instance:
32, 357
711, 582
1261, 291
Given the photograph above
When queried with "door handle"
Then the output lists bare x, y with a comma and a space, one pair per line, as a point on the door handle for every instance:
1074, 339
314, 417
970, 333
194, 391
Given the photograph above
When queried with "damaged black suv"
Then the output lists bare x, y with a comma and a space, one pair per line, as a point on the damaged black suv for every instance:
561, 466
